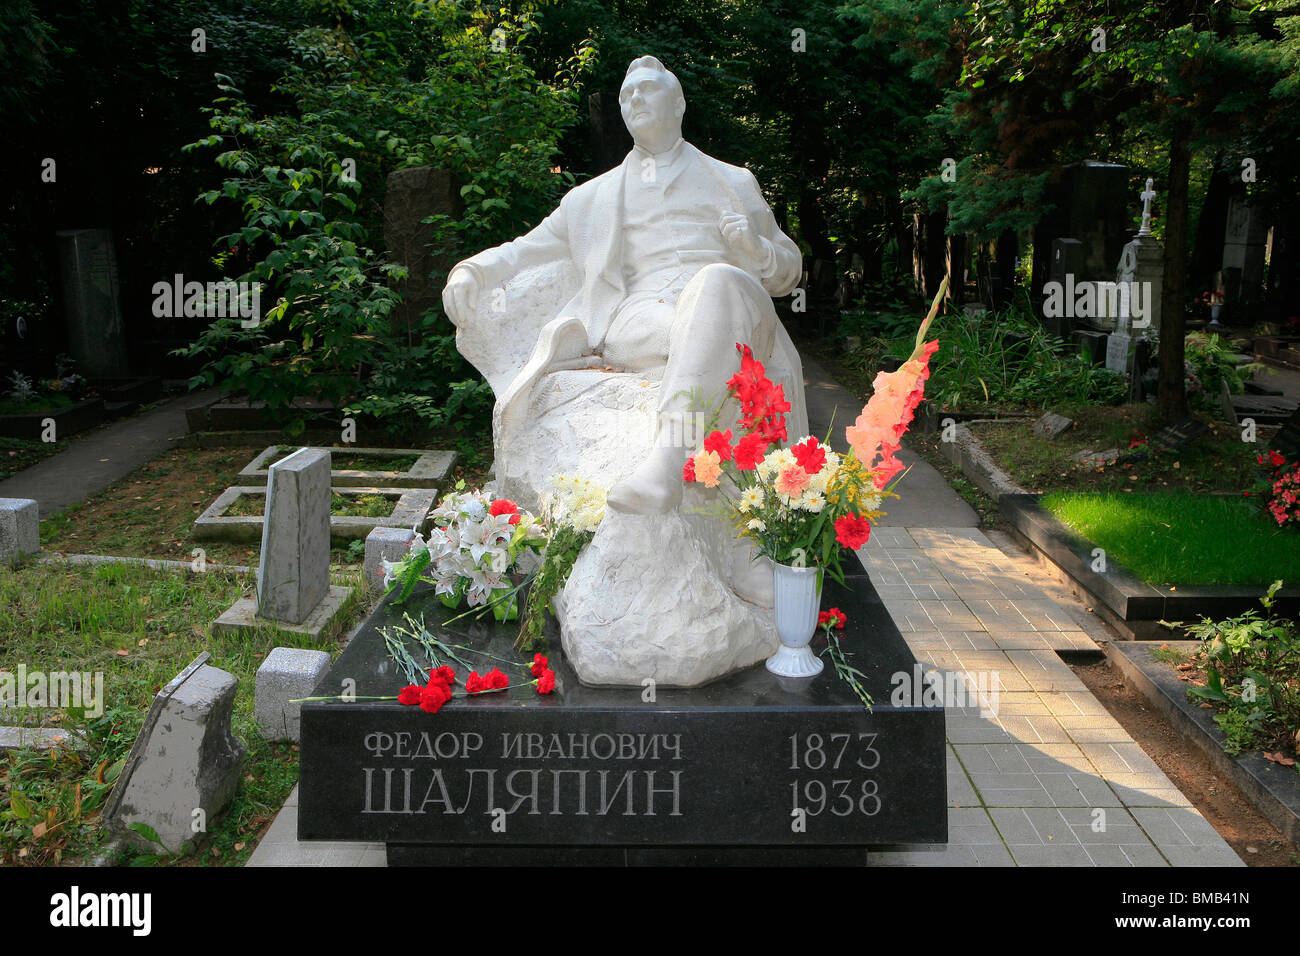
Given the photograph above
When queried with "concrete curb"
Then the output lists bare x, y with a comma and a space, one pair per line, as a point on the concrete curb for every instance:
969, 457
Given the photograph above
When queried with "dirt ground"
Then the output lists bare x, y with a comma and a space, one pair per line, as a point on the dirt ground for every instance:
1255, 840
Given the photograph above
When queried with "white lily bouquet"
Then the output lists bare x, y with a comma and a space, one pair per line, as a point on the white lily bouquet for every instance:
478, 546
483, 551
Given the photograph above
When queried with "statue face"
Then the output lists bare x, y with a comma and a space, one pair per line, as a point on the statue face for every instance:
650, 104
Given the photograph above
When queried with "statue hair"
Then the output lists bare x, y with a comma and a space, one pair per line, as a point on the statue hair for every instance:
653, 63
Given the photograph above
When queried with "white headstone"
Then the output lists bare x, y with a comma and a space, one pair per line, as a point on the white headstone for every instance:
293, 574
1117, 352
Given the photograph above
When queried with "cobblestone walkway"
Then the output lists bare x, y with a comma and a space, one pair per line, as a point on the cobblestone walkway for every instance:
1041, 774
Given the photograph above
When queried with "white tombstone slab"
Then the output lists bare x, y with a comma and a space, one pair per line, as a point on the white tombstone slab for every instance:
293, 574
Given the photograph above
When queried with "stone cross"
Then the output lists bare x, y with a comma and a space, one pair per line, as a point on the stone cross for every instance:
294, 572
1146, 196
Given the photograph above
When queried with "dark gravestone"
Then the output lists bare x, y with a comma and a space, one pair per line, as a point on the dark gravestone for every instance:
411, 196
1089, 201
1092, 345
1287, 439
1173, 437
1066, 265
90, 292
618, 775
1245, 238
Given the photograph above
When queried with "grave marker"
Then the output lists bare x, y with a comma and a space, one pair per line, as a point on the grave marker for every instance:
1051, 425
184, 766
1287, 439
293, 574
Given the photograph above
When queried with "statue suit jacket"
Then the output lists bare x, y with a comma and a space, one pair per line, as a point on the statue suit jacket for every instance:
587, 230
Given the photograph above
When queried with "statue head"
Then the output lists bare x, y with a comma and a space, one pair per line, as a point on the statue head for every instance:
652, 104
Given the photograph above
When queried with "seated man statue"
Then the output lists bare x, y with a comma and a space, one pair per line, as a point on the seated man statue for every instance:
600, 331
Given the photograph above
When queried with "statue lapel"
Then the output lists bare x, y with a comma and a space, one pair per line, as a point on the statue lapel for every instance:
603, 263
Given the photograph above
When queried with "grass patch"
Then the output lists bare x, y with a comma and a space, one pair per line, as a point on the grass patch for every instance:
43, 403
1182, 538
1218, 461
342, 506
1170, 655
139, 627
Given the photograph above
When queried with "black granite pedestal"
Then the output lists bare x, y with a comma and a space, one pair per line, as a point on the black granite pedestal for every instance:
750, 769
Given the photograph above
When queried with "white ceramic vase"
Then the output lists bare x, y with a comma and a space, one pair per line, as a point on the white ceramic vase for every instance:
798, 599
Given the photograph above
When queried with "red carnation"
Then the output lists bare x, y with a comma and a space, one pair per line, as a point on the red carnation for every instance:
410, 695
495, 680
688, 469
810, 455
852, 531
546, 682
443, 675
504, 506
540, 663
719, 442
433, 697
750, 451
474, 683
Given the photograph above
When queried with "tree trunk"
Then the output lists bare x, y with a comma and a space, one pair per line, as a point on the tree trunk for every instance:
1172, 398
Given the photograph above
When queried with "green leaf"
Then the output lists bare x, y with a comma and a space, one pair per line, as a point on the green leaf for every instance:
146, 831
21, 804
1213, 689
115, 770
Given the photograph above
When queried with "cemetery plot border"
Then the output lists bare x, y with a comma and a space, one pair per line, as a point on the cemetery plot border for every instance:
429, 471
67, 420
411, 510
229, 415
1273, 789
1125, 600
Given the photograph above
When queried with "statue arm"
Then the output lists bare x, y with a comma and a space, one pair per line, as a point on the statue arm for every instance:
783, 265
548, 241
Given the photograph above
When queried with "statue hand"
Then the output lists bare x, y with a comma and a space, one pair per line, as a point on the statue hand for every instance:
460, 295
735, 229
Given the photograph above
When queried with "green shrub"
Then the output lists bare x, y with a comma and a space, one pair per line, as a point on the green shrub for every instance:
396, 88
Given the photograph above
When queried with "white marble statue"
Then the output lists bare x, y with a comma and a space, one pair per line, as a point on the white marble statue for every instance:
594, 330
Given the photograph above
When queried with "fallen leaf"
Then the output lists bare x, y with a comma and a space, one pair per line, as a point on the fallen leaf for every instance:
38, 831
240, 846
1279, 757
1186, 667
123, 652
